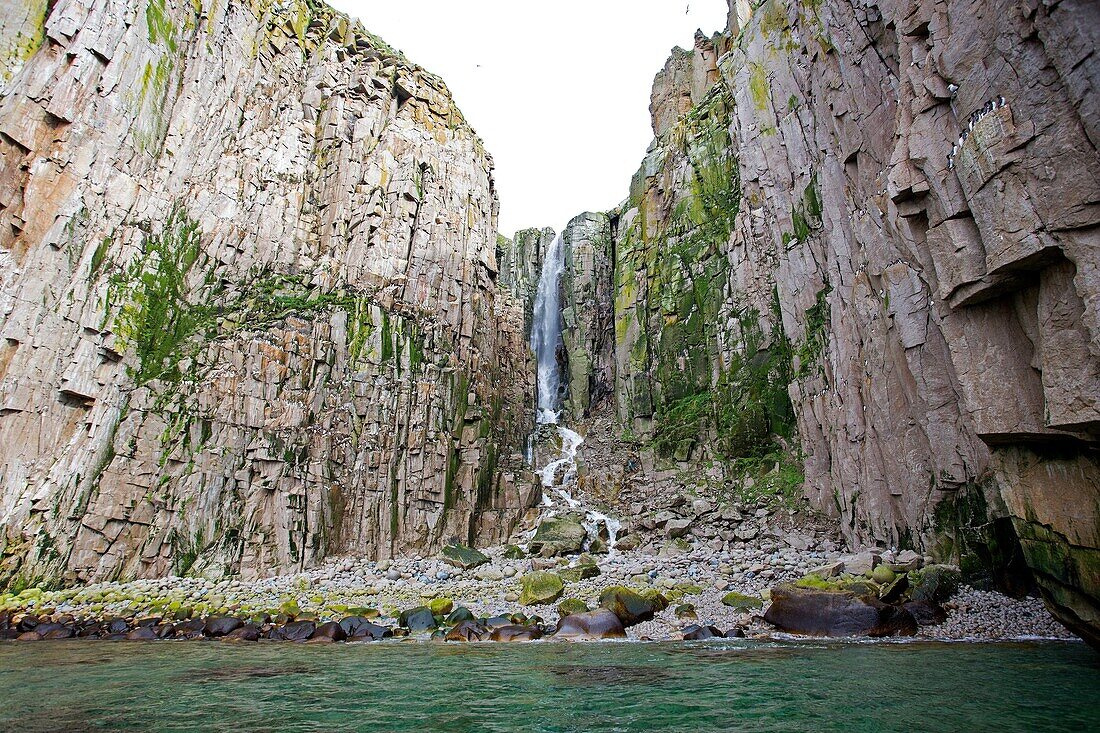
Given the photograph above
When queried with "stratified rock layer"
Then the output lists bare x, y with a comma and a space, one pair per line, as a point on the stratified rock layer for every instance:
248, 298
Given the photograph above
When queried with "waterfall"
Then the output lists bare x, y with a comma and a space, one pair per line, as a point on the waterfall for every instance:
545, 342
546, 333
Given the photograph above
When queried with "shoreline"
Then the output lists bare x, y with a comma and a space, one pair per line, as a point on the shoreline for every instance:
379, 592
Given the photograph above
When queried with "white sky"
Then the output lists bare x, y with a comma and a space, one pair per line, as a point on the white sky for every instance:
559, 91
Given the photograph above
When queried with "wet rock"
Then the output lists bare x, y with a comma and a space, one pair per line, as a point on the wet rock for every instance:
516, 633
417, 619
142, 633
467, 631
191, 629
441, 606
222, 625
698, 633
329, 630
460, 614
495, 622
463, 557
248, 632
926, 613
735, 633
631, 606
539, 588
562, 535
590, 626
28, 636
835, 613
118, 626
294, 631
359, 628
741, 602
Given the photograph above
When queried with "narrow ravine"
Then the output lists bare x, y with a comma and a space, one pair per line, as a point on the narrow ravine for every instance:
559, 475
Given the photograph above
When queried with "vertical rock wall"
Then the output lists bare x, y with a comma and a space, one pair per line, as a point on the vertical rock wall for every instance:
877, 223
248, 304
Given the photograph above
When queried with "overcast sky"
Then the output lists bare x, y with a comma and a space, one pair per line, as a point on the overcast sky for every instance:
559, 91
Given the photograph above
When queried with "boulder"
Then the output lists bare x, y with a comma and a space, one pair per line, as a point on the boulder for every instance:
907, 561
828, 570
329, 630
580, 572
630, 606
883, 575
562, 535
461, 556
698, 633
358, 628
835, 613
540, 588
141, 633
417, 619
466, 631
441, 606
460, 614
515, 632
294, 631
221, 625
926, 613
590, 626
248, 632
862, 563
677, 527
934, 583
741, 602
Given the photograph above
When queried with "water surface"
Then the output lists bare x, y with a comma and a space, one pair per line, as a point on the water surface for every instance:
548, 687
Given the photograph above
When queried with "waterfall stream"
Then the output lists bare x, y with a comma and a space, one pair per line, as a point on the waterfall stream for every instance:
558, 475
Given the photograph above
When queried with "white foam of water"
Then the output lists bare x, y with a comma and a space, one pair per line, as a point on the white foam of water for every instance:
545, 341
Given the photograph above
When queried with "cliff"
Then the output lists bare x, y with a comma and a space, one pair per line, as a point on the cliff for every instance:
866, 237
248, 299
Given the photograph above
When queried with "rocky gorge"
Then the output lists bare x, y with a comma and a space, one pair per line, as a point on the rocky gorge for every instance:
264, 356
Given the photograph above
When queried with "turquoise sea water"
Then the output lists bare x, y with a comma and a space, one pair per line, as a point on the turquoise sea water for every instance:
548, 687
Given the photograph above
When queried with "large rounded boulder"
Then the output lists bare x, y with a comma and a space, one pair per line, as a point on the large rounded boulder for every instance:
590, 626
631, 606
835, 613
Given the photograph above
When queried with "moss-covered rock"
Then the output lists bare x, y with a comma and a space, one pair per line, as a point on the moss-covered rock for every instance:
631, 606
559, 535
934, 583
441, 606
540, 588
741, 602
463, 557
570, 606
580, 572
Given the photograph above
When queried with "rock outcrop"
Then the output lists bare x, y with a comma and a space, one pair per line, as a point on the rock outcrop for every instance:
249, 313
874, 228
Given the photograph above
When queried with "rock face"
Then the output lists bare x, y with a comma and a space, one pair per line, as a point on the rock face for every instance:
249, 313
866, 227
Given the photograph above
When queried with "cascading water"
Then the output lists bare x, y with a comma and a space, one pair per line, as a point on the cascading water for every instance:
545, 342
546, 333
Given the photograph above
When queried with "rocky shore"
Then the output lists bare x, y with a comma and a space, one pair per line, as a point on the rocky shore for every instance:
369, 600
